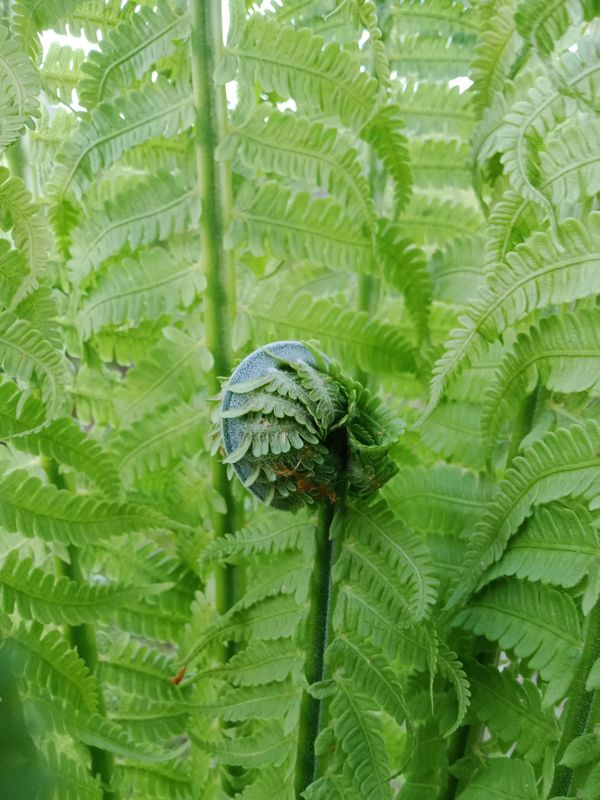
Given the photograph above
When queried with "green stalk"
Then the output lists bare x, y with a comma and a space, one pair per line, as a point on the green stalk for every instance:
318, 627
578, 714
83, 639
214, 188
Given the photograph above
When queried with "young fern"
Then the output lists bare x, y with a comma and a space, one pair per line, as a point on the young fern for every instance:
424, 624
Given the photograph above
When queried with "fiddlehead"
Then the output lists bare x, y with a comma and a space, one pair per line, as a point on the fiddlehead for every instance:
296, 430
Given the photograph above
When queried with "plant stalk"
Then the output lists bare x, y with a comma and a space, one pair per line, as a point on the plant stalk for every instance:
214, 188
318, 627
578, 714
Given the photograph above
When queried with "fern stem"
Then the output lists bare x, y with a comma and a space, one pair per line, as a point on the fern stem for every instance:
317, 639
578, 714
215, 197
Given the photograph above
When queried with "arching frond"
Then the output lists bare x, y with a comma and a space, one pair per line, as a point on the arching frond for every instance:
351, 335
152, 210
61, 71
19, 83
129, 51
385, 133
443, 498
511, 221
159, 110
544, 23
174, 368
440, 162
295, 147
28, 228
385, 533
561, 464
562, 353
512, 711
32, 508
434, 108
158, 439
570, 161
536, 622
458, 269
154, 284
494, 56
14, 272
298, 64
544, 270
558, 545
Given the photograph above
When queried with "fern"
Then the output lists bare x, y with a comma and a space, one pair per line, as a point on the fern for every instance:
153, 210
129, 51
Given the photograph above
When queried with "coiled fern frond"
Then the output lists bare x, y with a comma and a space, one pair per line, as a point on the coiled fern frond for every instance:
297, 430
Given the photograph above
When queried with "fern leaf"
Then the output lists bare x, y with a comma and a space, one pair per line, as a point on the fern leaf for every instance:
154, 284
562, 353
261, 662
434, 17
129, 51
570, 162
277, 700
266, 747
371, 674
494, 56
40, 597
48, 660
94, 730
510, 223
557, 546
298, 64
19, 82
64, 441
457, 269
439, 498
383, 133
14, 272
451, 669
26, 355
138, 670
543, 23
430, 58
158, 439
358, 731
174, 368
159, 110
152, 210
538, 623
430, 108
440, 162
270, 535
350, 335
29, 507
529, 121
93, 19
29, 231
377, 526
454, 430
429, 220
71, 780
512, 711
61, 71
559, 465
506, 778
544, 270
301, 228
295, 147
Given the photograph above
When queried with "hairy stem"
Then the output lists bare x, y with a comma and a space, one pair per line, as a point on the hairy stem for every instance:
215, 197
317, 638
83, 639
578, 716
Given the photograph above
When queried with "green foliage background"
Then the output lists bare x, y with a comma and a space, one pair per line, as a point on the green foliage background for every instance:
444, 246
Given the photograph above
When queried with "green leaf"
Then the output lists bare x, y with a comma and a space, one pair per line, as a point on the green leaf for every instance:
507, 779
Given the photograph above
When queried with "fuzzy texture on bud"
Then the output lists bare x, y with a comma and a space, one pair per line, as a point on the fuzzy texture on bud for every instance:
296, 430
